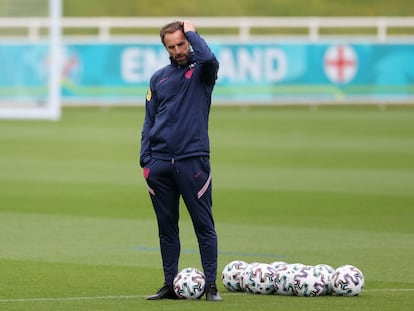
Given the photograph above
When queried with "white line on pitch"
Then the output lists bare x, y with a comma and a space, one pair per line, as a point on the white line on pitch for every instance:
70, 298
142, 296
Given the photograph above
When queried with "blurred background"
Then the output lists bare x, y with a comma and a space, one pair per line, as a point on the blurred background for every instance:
312, 132
271, 52
143, 8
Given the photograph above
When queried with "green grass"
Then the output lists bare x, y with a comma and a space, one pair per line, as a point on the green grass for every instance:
181, 9
238, 8
330, 185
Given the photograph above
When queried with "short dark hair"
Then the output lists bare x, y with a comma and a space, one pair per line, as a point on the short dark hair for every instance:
170, 28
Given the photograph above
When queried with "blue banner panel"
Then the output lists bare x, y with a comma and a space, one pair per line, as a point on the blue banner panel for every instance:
23, 72
254, 72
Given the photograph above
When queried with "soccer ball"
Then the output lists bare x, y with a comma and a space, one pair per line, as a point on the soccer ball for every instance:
347, 280
259, 279
189, 283
231, 275
244, 277
327, 272
283, 279
308, 281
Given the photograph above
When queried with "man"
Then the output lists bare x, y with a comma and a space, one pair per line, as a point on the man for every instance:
175, 150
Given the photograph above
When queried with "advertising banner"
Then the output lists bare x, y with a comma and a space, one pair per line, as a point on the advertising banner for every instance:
256, 72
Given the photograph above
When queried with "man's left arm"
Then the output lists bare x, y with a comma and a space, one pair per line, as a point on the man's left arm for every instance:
202, 51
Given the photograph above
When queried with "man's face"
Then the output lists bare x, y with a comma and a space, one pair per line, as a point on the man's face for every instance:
178, 47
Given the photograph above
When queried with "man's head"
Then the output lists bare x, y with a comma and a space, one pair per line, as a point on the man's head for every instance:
173, 37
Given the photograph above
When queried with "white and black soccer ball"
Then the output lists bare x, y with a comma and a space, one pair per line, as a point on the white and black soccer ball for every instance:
347, 280
327, 271
284, 282
308, 281
244, 277
189, 283
231, 275
259, 279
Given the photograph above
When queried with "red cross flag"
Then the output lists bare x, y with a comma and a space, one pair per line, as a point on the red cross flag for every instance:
340, 63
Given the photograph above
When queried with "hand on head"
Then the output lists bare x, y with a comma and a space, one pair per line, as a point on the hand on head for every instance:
188, 26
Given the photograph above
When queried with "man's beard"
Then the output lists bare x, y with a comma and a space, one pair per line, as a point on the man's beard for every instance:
182, 59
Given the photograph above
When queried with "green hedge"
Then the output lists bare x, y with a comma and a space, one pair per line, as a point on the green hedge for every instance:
238, 8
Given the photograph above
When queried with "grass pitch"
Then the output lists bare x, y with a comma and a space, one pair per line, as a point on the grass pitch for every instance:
330, 185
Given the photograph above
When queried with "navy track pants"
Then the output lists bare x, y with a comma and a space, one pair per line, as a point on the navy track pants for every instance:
191, 179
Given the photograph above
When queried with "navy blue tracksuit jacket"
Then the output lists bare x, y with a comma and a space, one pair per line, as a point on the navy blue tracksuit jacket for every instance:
177, 107
175, 154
